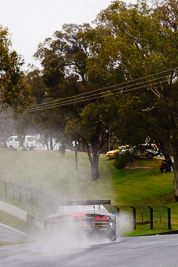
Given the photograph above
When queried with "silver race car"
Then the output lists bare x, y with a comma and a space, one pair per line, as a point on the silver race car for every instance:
89, 217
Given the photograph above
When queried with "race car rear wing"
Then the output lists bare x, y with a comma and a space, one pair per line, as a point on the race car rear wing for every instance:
85, 202
80, 202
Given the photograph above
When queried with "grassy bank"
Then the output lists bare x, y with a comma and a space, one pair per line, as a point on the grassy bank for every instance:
140, 185
143, 185
14, 222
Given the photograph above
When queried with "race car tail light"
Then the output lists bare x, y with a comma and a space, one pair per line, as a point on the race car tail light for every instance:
57, 219
79, 215
101, 217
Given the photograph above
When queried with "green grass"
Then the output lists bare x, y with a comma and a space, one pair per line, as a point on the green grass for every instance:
147, 231
10, 243
141, 184
14, 222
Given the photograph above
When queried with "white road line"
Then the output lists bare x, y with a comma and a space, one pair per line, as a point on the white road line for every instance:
11, 228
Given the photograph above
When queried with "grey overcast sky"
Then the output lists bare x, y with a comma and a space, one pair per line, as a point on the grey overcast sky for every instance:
31, 21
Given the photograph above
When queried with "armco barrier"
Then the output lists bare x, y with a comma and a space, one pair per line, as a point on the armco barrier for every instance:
34, 222
21, 215
143, 216
14, 211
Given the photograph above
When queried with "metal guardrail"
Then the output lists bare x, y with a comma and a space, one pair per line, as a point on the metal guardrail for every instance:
21, 215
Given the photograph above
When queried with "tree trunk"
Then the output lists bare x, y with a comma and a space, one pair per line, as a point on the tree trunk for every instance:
94, 166
51, 143
94, 161
176, 175
47, 145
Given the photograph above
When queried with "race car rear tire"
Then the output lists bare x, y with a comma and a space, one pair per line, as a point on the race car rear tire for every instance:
113, 237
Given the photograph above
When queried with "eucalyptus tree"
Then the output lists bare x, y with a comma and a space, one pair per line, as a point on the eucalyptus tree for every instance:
65, 74
144, 43
127, 43
49, 123
14, 94
13, 91
92, 128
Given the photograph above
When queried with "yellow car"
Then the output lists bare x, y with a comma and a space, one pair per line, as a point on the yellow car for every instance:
112, 154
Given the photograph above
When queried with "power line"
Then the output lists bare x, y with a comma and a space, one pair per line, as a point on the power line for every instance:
101, 93
104, 88
94, 98
107, 94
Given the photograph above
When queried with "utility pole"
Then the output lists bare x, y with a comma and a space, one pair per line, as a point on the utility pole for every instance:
76, 158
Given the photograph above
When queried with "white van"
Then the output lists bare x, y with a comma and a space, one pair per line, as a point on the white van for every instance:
28, 143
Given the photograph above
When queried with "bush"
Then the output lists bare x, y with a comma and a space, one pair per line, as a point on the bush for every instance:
122, 160
115, 146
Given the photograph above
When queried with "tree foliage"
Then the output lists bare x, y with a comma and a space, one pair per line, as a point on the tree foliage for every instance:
145, 39
127, 43
13, 91
92, 128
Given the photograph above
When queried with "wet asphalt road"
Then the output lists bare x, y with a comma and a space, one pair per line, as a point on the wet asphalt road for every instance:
9, 234
154, 251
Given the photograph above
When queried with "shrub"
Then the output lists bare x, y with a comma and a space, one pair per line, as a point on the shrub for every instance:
115, 146
122, 160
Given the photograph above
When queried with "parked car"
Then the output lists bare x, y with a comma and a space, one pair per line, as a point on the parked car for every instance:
28, 143
143, 150
112, 154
